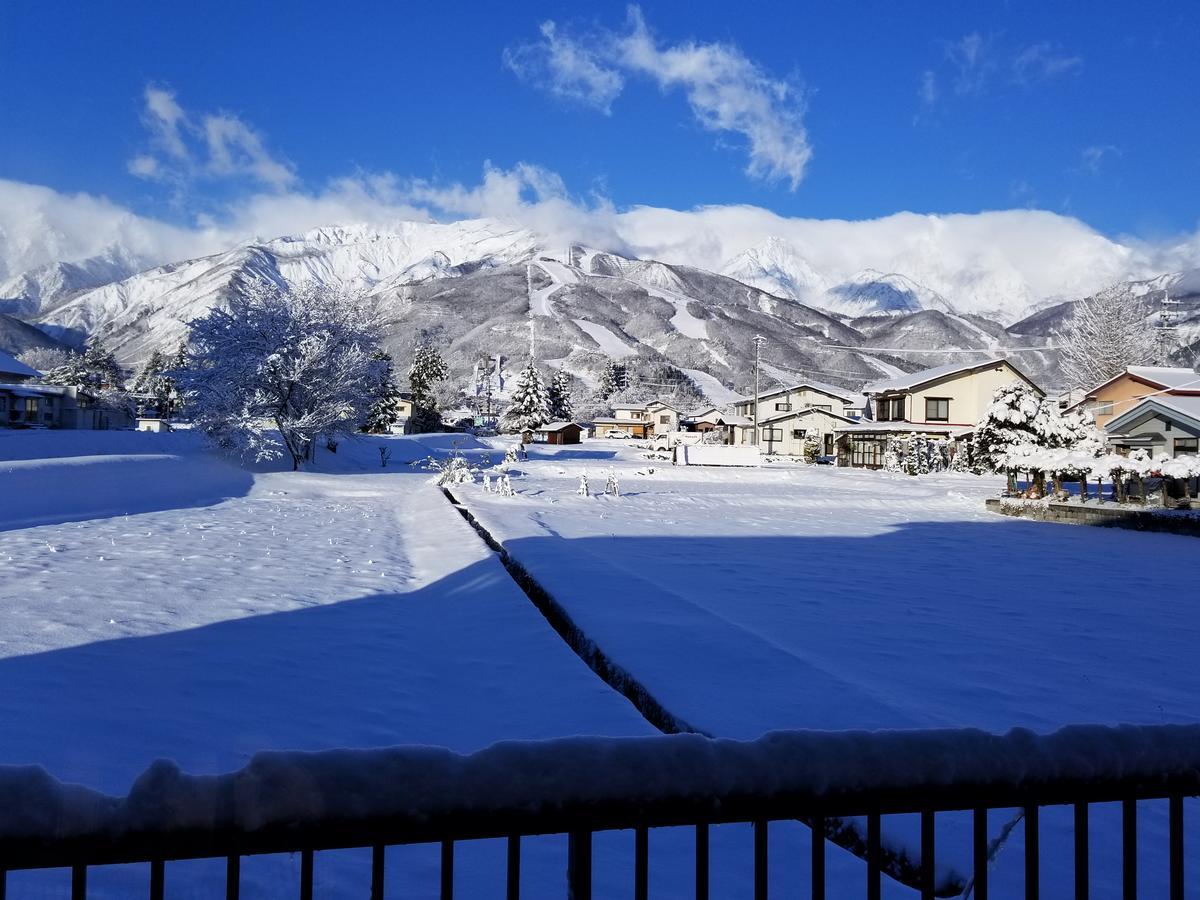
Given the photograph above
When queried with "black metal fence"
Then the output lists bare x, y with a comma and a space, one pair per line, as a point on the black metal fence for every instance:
594, 785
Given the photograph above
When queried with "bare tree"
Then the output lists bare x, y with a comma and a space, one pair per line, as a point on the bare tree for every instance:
1106, 333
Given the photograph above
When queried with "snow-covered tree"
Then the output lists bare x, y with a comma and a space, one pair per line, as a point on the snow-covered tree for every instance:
562, 409
920, 451
428, 369
612, 486
893, 456
94, 370
155, 382
1106, 333
385, 396
46, 359
613, 378
1018, 416
582, 490
280, 367
530, 405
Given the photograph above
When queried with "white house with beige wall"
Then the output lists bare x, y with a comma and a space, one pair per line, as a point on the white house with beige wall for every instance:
940, 403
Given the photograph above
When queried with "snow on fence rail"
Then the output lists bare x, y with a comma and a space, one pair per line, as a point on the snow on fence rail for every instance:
297, 801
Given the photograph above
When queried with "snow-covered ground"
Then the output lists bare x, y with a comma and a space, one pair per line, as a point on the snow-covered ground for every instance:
163, 603
788, 596
351, 607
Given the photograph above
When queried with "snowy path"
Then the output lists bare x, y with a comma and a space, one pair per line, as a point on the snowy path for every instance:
683, 321
811, 597
714, 390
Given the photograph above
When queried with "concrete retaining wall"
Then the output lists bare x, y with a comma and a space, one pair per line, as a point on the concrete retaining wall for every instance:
1107, 515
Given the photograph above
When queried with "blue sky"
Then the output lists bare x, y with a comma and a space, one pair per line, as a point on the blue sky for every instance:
1086, 109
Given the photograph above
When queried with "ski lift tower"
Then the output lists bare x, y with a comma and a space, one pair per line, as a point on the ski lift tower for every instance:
1167, 328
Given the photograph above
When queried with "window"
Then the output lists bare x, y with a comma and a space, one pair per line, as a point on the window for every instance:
664, 419
937, 409
1105, 408
1186, 446
890, 409
783, 407
822, 407
829, 445
797, 434
772, 434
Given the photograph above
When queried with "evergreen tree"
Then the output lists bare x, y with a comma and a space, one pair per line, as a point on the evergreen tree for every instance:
561, 407
530, 406
613, 378
100, 361
154, 381
385, 410
427, 370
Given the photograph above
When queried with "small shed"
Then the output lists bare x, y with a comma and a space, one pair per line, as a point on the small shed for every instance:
555, 433
151, 423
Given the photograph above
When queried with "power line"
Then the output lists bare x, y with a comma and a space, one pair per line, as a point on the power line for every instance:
939, 350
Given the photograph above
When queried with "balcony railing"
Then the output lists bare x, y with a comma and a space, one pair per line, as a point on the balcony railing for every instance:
579, 786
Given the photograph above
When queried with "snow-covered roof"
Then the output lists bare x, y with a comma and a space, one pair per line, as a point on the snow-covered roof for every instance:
1185, 407
1167, 376
9, 365
914, 380
608, 420
33, 390
557, 426
630, 405
796, 413
820, 387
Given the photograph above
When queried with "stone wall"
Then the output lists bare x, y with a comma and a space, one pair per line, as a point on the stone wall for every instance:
1105, 515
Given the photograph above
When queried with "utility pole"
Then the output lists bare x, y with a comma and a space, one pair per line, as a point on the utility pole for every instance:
1166, 328
759, 340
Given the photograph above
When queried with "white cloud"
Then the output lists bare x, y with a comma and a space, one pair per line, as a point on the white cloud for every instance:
928, 91
727, 91
184, 147
1040, 62
1092, 158
1047, 253
971, 58
567, 68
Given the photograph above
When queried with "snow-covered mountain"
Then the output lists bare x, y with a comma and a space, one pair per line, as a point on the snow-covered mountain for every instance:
777, 268
876, 293
27, 292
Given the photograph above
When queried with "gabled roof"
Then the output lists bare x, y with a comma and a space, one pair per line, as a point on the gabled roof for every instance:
903, 427
795, 414
12, 366
557, 426
1185, 409
1162, 377
630, 405
661, 403
843, 394
914, 380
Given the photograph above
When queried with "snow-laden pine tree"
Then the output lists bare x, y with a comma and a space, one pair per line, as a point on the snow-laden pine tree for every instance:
280, 367
428, 369
155, 385
893, 456
613, 378
530, 404
1106, 333
921, 452
1018, 417
561, 407
94, 370
385, 394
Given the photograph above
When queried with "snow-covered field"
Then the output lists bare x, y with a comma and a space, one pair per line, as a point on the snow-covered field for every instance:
162, 603
788, 596
347, 608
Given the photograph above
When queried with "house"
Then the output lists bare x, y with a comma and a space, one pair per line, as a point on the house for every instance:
56, 406
1122, 393
943, 403
639, 420
713, 419
13, 371
788, 432
554, 433
805, 395
1165, 423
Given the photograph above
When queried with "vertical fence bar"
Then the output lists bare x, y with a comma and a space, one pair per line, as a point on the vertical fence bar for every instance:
873, 854
3, 883
702, 861
514, 868
79, 883
306, 875
447, 892
579, 865
641, 864
377, 872
1176, 840
1032, 841
979, 853
233, 877
1129, 849
927, 854
760, 860
1082, 875
158, 877
818, 858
